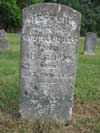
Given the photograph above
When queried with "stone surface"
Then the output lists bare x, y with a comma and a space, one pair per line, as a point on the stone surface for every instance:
3, 40
90, 43
50, 38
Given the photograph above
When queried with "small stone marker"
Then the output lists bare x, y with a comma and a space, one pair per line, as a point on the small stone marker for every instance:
50, 38
3, 40
90, 43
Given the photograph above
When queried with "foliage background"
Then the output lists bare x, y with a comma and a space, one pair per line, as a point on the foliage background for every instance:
11, 10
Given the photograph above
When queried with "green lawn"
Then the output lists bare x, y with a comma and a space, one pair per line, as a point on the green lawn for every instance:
9, 74
87, 90
88, 75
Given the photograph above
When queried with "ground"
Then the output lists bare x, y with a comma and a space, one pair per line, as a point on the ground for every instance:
86, 109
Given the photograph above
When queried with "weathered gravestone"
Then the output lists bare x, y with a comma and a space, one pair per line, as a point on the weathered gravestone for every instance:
50, 38
3, 40
90, 43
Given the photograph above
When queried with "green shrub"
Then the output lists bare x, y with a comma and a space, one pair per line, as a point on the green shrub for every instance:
10, 17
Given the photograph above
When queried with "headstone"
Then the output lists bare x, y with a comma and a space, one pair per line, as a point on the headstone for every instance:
90, 43
50, 38
3, 40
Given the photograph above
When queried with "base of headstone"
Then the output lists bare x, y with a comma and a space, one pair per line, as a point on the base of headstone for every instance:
87, 53
28, 116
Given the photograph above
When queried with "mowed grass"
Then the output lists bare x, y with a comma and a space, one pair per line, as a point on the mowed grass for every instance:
9, 74
88, 75
87, 88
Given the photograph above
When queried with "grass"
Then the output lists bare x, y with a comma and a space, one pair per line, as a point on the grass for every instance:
9, 73
86, 112
88, 76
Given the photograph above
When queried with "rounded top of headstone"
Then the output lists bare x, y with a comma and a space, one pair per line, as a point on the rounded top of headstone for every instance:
91, 34
53, 8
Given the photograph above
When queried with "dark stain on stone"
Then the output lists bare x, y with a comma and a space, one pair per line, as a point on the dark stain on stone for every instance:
26, 92
35, 87
51, 74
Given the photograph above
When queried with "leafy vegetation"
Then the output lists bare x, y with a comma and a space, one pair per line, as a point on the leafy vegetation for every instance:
10, 16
